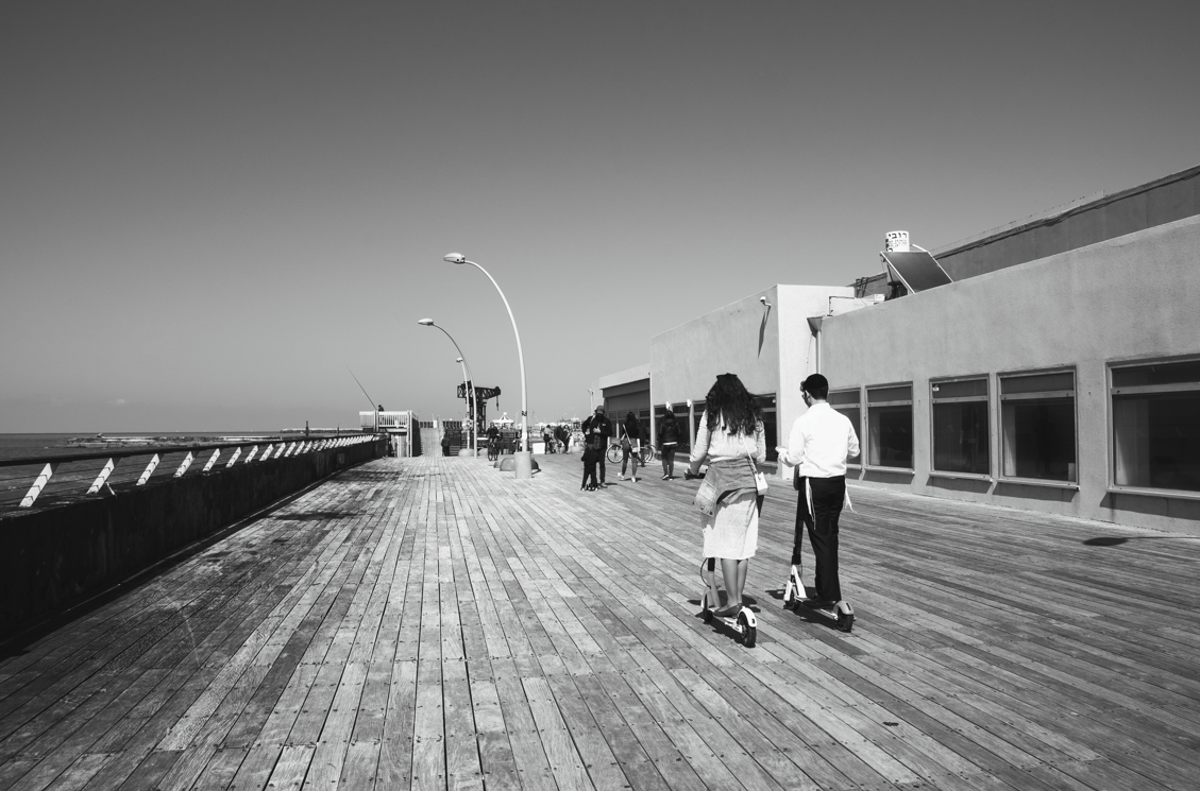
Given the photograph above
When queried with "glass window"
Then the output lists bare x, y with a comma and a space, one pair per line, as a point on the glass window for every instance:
889, 419
849, 403
1156, 426
1037, 426
960, 426
770, 424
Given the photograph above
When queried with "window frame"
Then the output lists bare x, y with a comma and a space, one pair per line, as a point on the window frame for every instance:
1112, 390
858, 404
986, 398
1001, 398
867, 445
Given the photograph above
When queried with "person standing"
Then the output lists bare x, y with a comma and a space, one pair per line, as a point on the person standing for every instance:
597, 430
821, 441
631, 444
731, 439
668, 441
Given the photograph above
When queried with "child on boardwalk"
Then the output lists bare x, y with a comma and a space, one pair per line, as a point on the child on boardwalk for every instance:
590, 456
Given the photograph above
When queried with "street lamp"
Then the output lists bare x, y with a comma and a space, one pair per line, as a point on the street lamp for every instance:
467, 379
524, 462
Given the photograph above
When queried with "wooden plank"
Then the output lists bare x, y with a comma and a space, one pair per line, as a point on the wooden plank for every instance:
431, 622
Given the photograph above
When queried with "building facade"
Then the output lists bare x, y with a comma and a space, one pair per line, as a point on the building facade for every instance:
1059, 371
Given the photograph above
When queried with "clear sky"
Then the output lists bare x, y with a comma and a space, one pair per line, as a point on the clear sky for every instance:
209, 212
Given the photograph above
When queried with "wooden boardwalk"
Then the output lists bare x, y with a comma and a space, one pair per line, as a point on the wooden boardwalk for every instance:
432, 623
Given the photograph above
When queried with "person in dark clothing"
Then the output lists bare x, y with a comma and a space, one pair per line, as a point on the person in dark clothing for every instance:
631, 443
590, 455
668, 440
493, 443
597, 431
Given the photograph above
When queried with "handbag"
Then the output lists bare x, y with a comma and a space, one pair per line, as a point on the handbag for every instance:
760, 478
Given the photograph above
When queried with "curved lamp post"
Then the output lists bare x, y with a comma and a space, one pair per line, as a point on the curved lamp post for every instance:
524, 463
467, 379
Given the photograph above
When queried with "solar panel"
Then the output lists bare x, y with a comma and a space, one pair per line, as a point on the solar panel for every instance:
917, 270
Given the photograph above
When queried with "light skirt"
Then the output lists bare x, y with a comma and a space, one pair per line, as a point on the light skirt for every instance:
732, 531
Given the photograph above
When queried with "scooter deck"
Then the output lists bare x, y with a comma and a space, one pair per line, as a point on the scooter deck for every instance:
745, 624
840, 613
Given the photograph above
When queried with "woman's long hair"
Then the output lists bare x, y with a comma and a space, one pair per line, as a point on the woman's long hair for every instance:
632, 427
730, 403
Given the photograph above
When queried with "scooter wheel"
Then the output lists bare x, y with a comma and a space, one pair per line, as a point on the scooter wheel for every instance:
789, 598
845, 621
749, 633
707, 615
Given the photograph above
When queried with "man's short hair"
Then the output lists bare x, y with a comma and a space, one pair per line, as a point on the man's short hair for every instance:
816, 386
600, 409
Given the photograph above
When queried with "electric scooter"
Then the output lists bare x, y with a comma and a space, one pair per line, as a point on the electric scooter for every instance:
744, 624
794, 595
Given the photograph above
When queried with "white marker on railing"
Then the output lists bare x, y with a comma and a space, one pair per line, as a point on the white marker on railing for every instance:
187, 462
38, 485
216, 455
148, 471
234, 458
102, 478
250, 457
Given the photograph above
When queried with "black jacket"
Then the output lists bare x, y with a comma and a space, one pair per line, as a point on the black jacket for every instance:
598, 426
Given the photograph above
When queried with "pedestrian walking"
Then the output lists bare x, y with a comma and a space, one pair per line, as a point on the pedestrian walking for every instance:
631, 444
668, 441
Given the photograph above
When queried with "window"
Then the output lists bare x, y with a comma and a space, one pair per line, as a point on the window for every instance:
698, 416
1156, 425
849, 403
770, 426
889, 415
1037, 425
960, 426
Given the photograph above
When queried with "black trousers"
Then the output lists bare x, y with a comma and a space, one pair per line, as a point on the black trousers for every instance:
828, 495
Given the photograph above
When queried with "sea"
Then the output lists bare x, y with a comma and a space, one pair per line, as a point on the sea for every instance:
33, 446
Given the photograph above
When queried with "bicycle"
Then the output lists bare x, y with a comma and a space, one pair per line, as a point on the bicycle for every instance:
645, 453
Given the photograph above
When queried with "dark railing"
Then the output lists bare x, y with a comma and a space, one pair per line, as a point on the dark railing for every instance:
46, 480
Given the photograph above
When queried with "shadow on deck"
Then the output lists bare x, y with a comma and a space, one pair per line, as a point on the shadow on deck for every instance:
434, 623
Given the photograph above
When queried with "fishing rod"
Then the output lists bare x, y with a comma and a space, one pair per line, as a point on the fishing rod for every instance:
374, 408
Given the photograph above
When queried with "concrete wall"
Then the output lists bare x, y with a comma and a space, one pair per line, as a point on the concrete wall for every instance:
53, 558
1130, 298
771, 351
625, 391
1085, 222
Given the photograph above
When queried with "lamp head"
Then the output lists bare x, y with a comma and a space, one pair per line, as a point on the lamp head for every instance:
764, 301
458, 360
455, 258
425, 322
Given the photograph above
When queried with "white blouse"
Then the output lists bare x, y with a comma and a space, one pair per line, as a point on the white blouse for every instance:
721, 445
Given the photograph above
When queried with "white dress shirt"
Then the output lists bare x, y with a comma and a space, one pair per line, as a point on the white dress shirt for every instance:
821, 441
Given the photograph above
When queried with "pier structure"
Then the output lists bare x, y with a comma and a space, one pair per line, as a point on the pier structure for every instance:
418, 623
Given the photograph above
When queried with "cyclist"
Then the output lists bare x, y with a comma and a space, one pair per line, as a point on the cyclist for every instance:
493, 442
